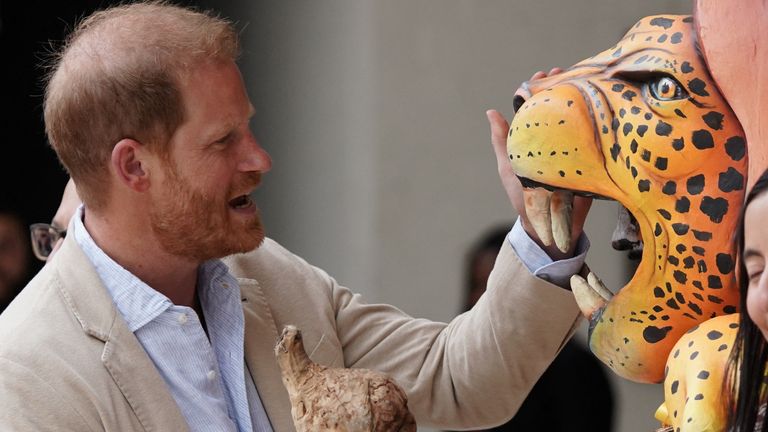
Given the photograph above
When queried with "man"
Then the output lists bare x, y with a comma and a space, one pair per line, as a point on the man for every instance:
136, 324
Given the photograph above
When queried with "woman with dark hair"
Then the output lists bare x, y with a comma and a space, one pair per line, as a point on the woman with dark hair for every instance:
747, 365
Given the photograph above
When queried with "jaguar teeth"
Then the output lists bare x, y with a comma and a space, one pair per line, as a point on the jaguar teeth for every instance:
537, 208
591, 295
550, 215
562, 208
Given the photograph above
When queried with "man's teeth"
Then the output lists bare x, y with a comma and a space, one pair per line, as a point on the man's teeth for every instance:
591, 294
241, 202
550, 215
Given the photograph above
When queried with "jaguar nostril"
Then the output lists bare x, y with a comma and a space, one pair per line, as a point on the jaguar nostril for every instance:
517, 102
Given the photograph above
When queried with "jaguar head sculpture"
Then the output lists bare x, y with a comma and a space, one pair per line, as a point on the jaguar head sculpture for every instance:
644, 124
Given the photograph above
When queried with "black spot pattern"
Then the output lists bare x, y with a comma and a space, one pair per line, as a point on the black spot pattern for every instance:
653, 334
678, 144
713, 119
662, 22
714, 335
680, 276
673, 387
644, 185
714, 282
682, 205
730, 180
615, 150
702, 139
697, 86
663, 128
724, 263
627, 128
686, 67
695, 184
642, 129
680, 228
676, 38
617, 87
695, 308
735, 148
628, 95
633, 145
669, 188
702, 235
715, 208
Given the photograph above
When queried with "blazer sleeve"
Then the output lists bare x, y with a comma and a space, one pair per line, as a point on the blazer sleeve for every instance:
476, 370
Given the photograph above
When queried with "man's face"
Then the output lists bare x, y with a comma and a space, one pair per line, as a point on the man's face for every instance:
201, 209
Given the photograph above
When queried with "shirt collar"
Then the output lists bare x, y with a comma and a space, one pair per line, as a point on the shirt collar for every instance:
137, 302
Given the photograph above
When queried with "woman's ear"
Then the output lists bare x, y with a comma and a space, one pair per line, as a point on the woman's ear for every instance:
130, 165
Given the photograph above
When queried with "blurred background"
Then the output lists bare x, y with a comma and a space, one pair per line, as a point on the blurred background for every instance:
374, 114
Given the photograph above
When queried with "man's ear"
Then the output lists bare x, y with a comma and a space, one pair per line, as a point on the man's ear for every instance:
130, 164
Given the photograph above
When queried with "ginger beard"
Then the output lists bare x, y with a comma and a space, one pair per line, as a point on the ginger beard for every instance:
190, 224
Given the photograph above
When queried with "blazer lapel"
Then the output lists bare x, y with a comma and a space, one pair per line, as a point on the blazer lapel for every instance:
260, 338
131, 369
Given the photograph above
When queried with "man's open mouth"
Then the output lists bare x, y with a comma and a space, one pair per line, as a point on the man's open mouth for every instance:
241, 202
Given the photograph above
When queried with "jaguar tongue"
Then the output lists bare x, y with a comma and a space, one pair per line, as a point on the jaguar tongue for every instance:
550, 215
591, 294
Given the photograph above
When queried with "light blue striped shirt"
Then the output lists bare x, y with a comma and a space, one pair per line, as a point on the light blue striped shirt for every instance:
208, 378
540, 264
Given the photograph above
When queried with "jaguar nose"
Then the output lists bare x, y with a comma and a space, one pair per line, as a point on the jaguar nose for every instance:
522, 94
517, 102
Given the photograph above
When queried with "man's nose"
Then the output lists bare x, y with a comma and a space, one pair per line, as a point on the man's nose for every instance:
255, 158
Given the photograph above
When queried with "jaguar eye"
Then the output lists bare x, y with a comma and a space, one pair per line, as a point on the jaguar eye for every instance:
665, 88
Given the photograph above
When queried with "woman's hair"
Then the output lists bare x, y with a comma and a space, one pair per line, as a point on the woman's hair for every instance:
117, 76
746, 365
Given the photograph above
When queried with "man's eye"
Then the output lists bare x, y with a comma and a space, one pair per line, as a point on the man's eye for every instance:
665, 88
225, 139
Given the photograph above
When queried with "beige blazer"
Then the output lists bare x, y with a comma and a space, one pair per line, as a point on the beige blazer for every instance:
69, 363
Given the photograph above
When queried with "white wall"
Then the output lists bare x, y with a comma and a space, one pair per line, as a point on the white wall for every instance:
374, 115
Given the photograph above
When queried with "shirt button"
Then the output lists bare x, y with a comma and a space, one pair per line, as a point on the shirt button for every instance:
225, 285
211, 375
182, 319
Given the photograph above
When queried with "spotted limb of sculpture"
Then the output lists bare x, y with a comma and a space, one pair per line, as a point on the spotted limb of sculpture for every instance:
643, 124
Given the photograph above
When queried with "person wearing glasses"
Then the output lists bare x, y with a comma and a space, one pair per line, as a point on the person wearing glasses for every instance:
162, 305
47, 238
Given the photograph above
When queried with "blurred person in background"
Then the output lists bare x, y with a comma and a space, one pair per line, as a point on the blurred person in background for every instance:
15, 263
574, 393
47, 238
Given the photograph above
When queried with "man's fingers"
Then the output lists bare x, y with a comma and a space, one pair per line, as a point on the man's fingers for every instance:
499, 129
554, 71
